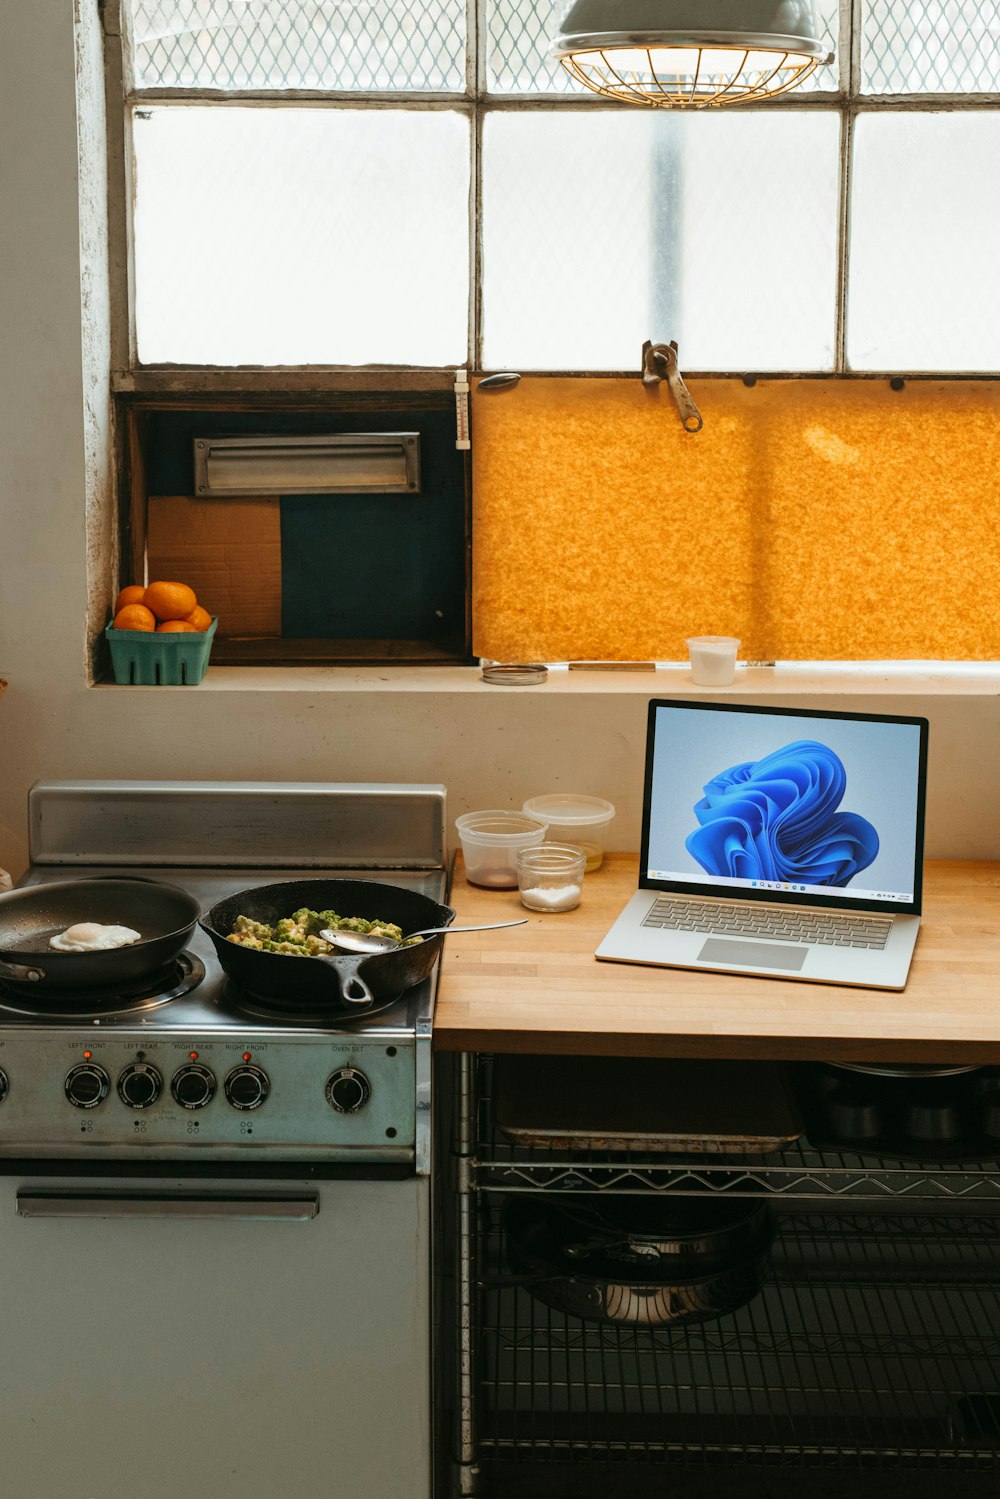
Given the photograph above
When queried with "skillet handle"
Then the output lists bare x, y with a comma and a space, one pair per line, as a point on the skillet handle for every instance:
21, 973
354, 992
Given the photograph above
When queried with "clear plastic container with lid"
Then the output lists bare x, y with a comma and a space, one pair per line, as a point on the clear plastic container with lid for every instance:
550, 876
579, 820
491, 842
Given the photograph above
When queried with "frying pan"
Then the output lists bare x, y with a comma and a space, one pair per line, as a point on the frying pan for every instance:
339, 983
164, 916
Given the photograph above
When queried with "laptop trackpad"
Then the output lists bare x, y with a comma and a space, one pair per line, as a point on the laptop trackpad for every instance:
752, 954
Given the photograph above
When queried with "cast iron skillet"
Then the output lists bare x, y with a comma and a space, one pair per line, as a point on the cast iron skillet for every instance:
164, 915
338, 983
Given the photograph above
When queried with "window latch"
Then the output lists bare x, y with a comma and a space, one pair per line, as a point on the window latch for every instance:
659, 362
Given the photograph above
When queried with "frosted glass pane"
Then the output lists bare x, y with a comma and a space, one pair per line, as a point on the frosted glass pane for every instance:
930, 46
322, 44
601, 230
520, 31
923, 292
301, 236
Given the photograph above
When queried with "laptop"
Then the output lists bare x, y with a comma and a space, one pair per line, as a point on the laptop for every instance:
778, 842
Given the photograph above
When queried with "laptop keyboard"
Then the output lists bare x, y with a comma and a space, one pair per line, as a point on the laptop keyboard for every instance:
721, 918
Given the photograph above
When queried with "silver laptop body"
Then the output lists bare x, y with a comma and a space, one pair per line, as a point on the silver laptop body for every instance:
781, 843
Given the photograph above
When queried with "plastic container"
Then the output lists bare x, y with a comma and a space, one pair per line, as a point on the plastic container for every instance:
580, 820
713, 659
491, 842
550, 876
145, 658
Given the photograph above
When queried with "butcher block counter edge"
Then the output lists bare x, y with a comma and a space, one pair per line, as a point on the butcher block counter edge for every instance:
539, 988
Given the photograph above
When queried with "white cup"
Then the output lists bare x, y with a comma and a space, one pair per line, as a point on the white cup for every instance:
713, 659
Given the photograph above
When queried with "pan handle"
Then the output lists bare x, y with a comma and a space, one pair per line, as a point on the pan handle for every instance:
354, 992
21, 973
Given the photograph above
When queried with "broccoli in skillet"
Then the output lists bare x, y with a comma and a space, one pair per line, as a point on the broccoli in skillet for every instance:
297, 936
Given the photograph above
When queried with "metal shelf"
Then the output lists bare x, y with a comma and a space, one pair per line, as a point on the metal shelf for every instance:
799, 1171
877, 1339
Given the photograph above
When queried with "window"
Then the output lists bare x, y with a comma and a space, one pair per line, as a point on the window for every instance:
333, 205
321, 184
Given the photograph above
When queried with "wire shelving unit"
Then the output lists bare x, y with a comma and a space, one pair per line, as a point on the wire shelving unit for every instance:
875, 1343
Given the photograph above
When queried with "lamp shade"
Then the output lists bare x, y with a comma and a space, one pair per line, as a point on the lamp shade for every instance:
689, 52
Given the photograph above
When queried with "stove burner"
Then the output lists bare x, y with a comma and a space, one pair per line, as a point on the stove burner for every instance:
179, 977
263, 1008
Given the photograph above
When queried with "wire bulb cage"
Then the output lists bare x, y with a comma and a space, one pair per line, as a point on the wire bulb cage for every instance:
689, 53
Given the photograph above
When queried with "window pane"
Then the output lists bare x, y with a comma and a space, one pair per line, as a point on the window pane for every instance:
930, 46
301, 236
327, 44
607, 228
925, 219
520, 32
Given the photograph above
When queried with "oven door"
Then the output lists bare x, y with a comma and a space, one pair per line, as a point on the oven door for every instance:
222, 1338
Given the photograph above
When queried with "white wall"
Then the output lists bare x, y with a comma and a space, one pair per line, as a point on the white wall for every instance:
489, 745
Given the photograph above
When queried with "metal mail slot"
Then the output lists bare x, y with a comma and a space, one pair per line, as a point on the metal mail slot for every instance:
342, 463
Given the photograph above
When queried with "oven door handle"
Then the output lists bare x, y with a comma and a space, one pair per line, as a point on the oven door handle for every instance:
266, 1209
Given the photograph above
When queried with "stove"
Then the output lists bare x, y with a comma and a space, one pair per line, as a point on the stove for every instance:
192, 1066
229, 1211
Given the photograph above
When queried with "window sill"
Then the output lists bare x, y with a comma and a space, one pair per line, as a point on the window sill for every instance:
878, 679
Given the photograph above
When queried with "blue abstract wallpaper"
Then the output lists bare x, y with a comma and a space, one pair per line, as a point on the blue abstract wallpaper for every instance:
778, 819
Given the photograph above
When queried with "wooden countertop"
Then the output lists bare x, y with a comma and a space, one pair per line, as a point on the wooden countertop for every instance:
539, 988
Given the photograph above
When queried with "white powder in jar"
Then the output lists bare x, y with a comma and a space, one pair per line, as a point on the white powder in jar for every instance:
551, 897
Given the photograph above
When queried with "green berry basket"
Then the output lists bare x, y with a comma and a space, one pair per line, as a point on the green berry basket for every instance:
144, 658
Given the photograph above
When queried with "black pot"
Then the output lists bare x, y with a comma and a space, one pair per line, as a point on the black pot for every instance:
336, 984
655, 1275
658, 1236
164, 916
911, 1071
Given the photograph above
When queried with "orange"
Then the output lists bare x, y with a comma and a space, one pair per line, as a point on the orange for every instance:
170, 600
200, 619
134, 617
131, 595
176, 626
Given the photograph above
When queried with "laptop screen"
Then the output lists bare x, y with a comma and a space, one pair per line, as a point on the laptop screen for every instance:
800, 807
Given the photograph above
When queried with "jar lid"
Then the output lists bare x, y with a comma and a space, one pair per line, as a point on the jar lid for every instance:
564, 809
500, 826
515, 673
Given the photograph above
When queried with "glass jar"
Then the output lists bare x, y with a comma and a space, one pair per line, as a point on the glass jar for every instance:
550, 876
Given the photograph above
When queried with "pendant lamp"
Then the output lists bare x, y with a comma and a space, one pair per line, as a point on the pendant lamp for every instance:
689, 53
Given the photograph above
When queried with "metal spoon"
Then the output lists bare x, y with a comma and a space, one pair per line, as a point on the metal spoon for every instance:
367, 943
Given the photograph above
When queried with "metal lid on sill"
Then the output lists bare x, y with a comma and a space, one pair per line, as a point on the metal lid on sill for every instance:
515, 673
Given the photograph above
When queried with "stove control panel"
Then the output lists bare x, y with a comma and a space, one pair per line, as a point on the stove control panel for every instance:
296, 1096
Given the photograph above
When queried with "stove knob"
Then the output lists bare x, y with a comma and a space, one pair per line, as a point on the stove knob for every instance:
193, 1087
247, 1087
348, 1090
4, 1085
87, 1085
139, 1086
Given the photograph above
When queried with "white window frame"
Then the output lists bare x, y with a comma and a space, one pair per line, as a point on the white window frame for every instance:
475, 101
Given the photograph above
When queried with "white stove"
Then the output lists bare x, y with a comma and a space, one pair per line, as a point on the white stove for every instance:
240, 1199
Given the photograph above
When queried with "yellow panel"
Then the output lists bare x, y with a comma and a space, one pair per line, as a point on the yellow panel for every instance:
228, 551
814, 519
